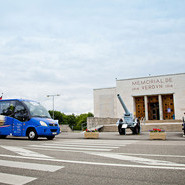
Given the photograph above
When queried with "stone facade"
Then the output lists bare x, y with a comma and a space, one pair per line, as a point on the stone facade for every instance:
105, 102
158, 88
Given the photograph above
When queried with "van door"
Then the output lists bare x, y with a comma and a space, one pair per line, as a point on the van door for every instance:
19, 114
7, 112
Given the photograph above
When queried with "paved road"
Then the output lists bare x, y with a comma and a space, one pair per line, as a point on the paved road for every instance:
112, 159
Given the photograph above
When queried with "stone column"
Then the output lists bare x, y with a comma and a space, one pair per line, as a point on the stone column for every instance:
134, 107
146, 107
160, 107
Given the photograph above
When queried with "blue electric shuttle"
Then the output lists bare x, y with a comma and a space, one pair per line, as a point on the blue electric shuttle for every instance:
26, 118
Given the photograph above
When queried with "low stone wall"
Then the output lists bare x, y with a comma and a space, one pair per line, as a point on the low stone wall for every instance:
109, 125
65, 128
171, 127
93, 122
110, 128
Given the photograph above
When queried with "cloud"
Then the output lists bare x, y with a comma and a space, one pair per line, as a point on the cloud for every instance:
70, 48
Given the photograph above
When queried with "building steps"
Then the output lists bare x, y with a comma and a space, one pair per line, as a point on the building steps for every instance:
164, 121
168, 127
109, 124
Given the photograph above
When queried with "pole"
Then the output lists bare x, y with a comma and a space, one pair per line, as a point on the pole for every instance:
53, 107
53, 95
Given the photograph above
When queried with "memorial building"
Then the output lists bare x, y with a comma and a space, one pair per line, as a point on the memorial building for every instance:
150, 98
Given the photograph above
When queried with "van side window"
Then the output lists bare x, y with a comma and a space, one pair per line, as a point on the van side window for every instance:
20, 112
7, 108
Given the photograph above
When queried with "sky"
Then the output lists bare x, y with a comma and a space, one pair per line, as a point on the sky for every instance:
50, 47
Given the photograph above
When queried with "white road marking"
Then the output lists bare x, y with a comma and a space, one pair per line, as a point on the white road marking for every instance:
91, 144
24, 152
58, 150
15, 179
150, 155
30, 166
101, 142
73, 148
98, 163
136, 159
154, 155
79, 145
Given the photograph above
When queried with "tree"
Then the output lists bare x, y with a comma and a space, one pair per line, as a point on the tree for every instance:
81, 120
71, 120
61, 117
75, 122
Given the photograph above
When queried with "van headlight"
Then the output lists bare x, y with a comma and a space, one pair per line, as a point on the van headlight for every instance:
43, 124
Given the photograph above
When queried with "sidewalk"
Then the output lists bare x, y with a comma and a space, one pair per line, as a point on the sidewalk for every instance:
176, 136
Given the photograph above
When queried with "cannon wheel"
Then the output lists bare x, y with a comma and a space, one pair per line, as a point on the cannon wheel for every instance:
121, 131
136, 129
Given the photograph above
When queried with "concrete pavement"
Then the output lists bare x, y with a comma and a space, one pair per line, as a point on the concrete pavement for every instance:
70, 159
115, 136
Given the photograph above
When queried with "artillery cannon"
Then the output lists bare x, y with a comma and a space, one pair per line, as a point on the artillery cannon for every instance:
128, 121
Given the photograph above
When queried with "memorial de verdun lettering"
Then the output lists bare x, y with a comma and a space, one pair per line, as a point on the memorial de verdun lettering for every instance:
152, 84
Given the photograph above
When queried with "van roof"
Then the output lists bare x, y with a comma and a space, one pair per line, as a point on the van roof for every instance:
16, 100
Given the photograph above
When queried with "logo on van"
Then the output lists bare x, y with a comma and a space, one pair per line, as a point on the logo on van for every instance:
2, 120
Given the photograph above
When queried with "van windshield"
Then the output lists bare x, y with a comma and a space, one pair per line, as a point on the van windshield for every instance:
37, 110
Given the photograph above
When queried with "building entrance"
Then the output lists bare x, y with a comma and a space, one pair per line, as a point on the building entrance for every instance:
154, 111
151, 111
168, 106
153, 108
140, 107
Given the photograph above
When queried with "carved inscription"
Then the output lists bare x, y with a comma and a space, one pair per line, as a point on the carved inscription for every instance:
149, 84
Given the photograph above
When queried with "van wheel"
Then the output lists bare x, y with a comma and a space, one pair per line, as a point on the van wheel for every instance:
32, 135
3, 136
50, 137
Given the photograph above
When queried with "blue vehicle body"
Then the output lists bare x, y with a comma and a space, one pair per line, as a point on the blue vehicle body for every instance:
26, 118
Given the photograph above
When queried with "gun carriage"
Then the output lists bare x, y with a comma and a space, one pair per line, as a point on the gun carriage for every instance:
128, 121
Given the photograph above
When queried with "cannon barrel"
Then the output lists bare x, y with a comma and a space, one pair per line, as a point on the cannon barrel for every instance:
127, 113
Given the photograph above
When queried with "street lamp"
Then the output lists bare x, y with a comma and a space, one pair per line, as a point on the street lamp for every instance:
53, 95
